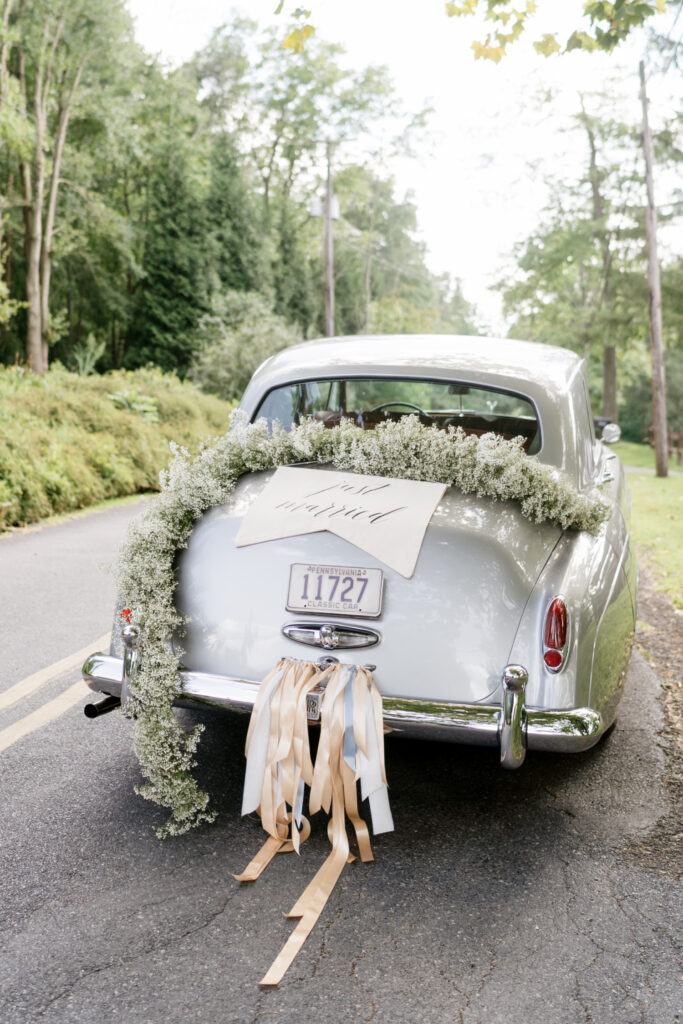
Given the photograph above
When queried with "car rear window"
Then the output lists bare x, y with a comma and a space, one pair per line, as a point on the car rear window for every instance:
369, 401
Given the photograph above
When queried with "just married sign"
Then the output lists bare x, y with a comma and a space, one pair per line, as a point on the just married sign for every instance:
383, 516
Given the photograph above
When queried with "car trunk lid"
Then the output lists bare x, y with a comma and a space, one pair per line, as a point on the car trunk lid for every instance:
444, 635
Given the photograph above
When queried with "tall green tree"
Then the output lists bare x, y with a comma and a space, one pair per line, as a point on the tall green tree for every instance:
580, 279
293, 274
298, 102
382, 282
294, 105
103, 210
134, 199
240, 248
234, 338
53, 51
140, 264
173, 293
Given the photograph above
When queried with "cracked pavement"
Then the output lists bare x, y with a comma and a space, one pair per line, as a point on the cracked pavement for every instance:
501, 896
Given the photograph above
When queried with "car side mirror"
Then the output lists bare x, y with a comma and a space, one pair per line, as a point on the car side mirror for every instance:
611, 433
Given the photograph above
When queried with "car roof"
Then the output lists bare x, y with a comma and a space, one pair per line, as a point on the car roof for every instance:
441, 354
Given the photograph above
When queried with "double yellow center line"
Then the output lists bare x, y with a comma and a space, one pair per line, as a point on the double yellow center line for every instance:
53, 708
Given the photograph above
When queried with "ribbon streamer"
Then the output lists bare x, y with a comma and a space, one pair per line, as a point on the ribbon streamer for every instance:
279, 766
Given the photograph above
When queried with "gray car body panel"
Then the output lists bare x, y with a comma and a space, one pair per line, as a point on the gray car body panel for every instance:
446, 633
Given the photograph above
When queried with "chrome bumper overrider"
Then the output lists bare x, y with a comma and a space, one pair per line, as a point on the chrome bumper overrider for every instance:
510, 725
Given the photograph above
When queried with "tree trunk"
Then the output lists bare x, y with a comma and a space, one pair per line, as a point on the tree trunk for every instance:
115, 344
368, 260
50, 214
609, 358
4, 44
329, 250
34, 333
33, 179
609, 383
48, 231
69, 310
34, 238
655, 296
39, 231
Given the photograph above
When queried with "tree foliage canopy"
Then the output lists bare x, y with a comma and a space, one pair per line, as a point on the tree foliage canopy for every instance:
579, 278
605, 24
137, 202
601, 25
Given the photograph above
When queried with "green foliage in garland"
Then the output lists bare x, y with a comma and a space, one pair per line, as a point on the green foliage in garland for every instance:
488, 466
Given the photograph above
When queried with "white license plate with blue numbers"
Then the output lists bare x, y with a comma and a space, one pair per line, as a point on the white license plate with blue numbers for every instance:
335, 589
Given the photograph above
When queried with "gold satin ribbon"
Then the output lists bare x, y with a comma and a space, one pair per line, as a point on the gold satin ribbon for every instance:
332, 781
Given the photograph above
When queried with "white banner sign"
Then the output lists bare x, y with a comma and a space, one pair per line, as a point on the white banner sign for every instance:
383, 516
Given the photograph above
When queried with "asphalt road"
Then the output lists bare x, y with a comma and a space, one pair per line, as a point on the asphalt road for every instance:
500, 897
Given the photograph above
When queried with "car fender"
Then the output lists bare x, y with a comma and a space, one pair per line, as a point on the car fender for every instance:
591, 577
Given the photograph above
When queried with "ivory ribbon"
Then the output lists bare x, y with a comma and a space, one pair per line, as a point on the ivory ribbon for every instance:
279, 765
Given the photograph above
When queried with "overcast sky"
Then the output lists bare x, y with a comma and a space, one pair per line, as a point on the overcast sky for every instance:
479, 184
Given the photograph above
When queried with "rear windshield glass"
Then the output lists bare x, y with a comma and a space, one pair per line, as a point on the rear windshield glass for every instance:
367, 402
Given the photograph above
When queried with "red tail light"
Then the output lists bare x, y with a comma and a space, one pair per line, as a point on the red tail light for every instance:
555, 634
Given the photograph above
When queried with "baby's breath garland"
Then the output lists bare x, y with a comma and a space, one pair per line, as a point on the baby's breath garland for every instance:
487, 466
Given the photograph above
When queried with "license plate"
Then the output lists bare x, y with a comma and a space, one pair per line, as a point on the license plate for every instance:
336, 589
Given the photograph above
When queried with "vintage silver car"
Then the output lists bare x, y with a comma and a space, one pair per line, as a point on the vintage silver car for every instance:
510, 633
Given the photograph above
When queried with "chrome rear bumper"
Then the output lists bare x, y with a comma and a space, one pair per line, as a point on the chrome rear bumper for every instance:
528, 728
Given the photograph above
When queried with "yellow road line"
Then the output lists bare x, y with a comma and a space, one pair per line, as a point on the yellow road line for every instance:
38, 679
47, 713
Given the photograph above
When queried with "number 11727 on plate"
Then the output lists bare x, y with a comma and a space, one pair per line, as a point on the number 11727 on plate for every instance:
344, 589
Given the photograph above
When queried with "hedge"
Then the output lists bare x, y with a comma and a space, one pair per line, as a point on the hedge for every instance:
67, 441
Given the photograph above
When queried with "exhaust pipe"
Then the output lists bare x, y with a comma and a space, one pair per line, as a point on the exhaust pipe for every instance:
101, 707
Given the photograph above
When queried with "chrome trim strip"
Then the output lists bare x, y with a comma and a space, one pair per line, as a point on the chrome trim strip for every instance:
218, 691
103, 673
567, 730
573, 729
451, 723
330, 635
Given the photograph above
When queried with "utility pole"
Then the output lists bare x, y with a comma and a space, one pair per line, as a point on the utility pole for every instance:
329, 249
368, 257
655, 294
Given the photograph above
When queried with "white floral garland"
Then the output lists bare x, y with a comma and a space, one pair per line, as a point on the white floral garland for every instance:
488, 466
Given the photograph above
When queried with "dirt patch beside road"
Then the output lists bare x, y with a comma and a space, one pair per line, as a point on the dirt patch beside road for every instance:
659, 636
